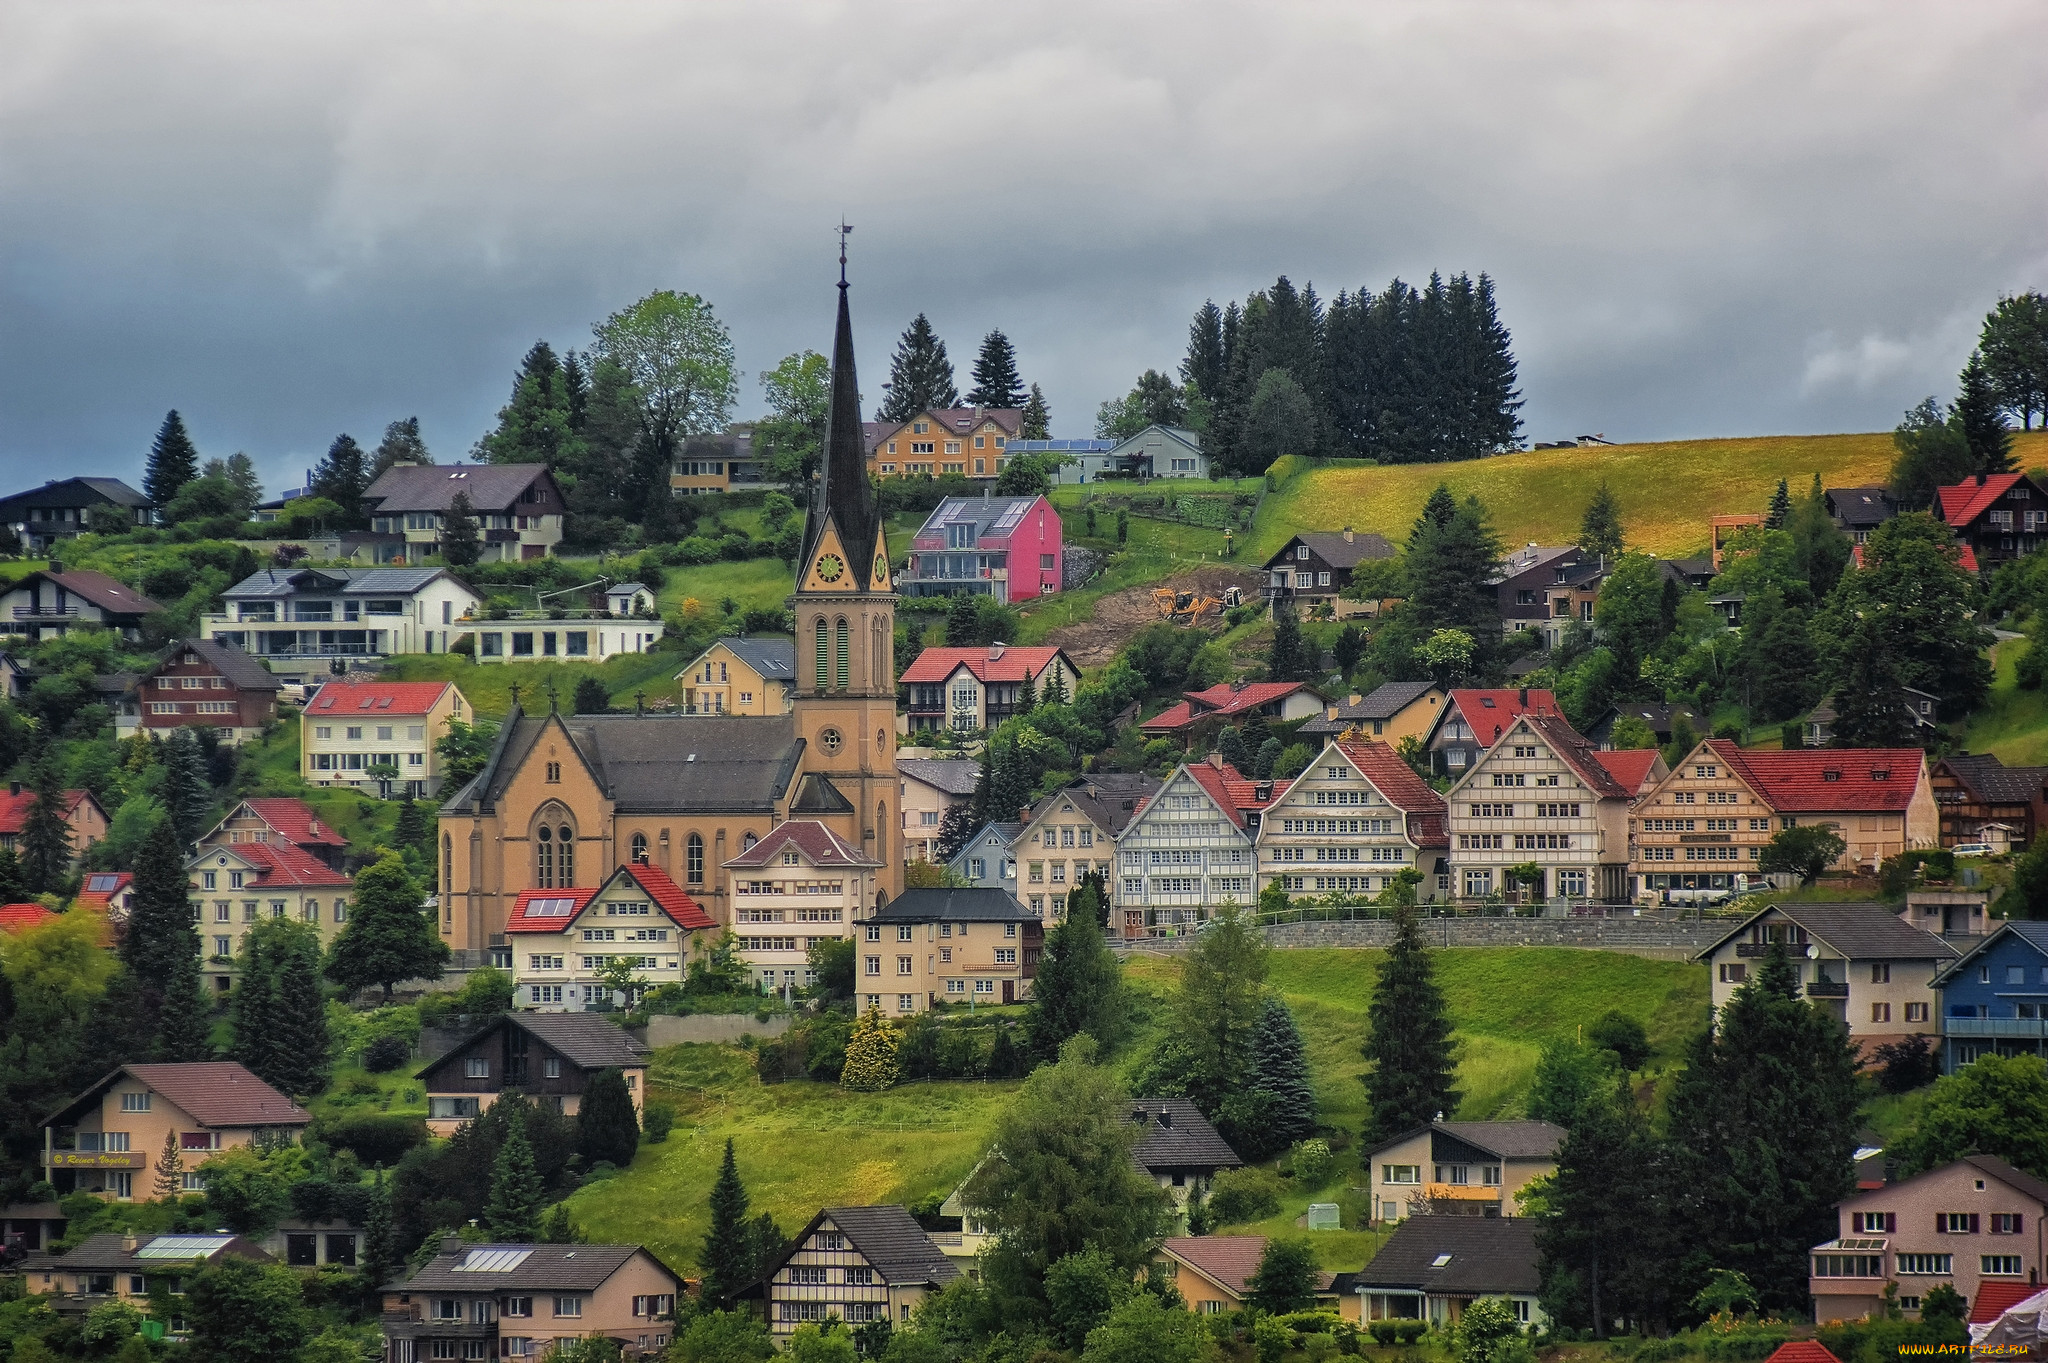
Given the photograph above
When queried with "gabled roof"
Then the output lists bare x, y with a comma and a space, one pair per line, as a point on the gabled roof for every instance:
2034, 933
239, 668
1489, 713
1338, 548
995, 663
1233, 793
360, 700
283, 863
1178, 1136
214, 1093
78, 492
1861, 507
816, 843
957, 420
1004, 830
520, 1267
589, 1041
291, 819
671, 898
109, 1251
773, 656
1385, 702
953, 776
1519, 561
891, 1242
1178, 434
1860, 932
1109, 800
1466, 1256
1799, 780
991, 518
1965, 502
1630, 767
1994, 1299
547, 910
1801, 1351
1398, 784
432, 487
1223, 701
952, 904
22, 917
101, 888
1989, 1165
1579, 753
1229, 1261
14, 807
1519, 1138
115, 598
1991, 780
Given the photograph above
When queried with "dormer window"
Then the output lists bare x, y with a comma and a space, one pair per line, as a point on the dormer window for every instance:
1831, 774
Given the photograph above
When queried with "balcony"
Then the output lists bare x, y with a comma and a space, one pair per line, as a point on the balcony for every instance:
1764, 948
2031, 1028
1828, 989
1463, 1192
46, 612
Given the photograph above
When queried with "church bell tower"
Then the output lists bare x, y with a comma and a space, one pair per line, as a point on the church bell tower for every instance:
845, 608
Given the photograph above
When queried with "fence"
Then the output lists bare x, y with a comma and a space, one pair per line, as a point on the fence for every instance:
1663, 936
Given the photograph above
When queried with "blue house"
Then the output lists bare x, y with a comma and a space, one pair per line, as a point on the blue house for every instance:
1995, 997
987, 861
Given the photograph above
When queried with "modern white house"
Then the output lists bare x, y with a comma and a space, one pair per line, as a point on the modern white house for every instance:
299, 620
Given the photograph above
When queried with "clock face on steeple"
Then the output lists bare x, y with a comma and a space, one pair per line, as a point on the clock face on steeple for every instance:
830, 569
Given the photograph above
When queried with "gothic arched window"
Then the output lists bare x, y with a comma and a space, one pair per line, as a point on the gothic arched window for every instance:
694, 865
544, 858
447, 866
842, 653
823, 677
640, 848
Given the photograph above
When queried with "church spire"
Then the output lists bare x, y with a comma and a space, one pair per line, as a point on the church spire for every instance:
843, 498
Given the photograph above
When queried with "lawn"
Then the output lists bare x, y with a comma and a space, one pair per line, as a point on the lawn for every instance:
800, 1146
487, 687
1667, 491
756, 583
2012, 723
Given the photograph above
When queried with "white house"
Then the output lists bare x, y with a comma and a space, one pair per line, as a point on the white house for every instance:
1351, 823
1189, 850
299, 619
562, 940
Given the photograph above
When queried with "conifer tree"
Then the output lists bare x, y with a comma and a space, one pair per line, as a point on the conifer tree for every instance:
920, 375
513, 1212
160, 938
170, 1168
539, 424
411, 829
607, 1126
13, 888
300, 1010
1980, 417
401, 445
1600, 531
1280, 1071
1055, 689
1036, 421
996, 383
1411, 1050
461, 540
253, 1009
1451, 559
1870, 706
1267, 758
388, 936
1203, 365
870, 1055
1079, 986
1610, 1231
728, 1254
1027, 694
1287, 658
186, 791
185, 1020
173, 462
342, 477
1230, 743
45, 837
380, 1248
575, 388
1255, 734
1780, 507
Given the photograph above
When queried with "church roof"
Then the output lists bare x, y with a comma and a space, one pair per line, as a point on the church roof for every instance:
656, 764
843, 496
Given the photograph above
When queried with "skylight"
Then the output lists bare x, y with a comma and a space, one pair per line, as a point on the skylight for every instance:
1440, 1261
492, 1260
183, 1246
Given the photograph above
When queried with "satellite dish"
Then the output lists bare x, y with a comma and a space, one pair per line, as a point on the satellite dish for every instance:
1812, 951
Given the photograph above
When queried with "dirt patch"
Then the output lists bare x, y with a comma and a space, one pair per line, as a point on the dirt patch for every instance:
1095, 641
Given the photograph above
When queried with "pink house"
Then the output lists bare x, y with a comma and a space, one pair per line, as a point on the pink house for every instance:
1008, 547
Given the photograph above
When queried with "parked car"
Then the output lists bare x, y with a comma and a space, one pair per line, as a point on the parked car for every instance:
1972, 849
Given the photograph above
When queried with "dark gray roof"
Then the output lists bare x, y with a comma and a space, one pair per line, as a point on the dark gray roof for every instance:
333, 579
1522, 1138
238, 667
953, 776
947, 904
815, 794
1993, 780
589, 1041
894, 1245
2016, 1179
2033, 932
1178, 1136
1385, 701
539, 1268
1332, 548
1861, 932
77, 492
432, 487
657, 764
1659, 717
1110, 806
773, 656
1487, 1255
1007, 832
1859, 507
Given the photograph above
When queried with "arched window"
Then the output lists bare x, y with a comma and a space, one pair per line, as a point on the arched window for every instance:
878, 656
447, 866
882, 830
694, 864
824, 674
565, 855
640, 848
544, 858
748, 841
842, 651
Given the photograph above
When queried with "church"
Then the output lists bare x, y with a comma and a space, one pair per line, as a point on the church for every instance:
564, 800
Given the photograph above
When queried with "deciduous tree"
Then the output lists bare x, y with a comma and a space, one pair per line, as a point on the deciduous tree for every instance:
1996, 1105
2014, 345
871, 1054
1932, 453
388, 936
245, 1312
1286, 1277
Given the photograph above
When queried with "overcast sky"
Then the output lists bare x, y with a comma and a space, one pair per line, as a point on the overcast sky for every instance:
294, 220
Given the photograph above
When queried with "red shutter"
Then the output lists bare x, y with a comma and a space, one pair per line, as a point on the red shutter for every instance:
1974, 1227
1891, 1222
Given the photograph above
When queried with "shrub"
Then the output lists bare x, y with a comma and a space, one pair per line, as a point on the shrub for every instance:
385, 1054
656, 1121
1241, 1195
375, 1137
1312, 1163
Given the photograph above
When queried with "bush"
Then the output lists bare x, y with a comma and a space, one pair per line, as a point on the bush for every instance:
1311, 1163
385, 1054
1907, 1065
1398, 1331
1241, 1195
656, 1121
375, 1137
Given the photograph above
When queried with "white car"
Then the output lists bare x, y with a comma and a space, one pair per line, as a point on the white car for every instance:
1973, 849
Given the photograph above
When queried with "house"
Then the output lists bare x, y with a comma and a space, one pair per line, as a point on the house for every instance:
1071, 833
1191, 848
1472, 720
26, 1227
356, 732
1999, 516
1179, 1148
19, 918
549, 1057
629, 598
1082, 461
1994, 996
716, 463
521, 1301
1661, 720
1433, 1267
1975, 792
1314, 567
43, 517
1636, 770
1541, 797
1818, 728
1459, 1168
1968, 1225
1160, 452
1546, 588
859, 1265
988, 860
236, 886
109, 893
48, 602
1878, 799
301, 620
1213, 1273
1860, 962
1394, 711
1948, 913
947, 946
1005, 547
949, 442
101, 1140
965, 689
117, 1267
741, 676
297, 1242
83, 815
1723, 530
537, 637
800, 883
562, 940
278, 820
1232, 703
519, 509
2008, 1313
200, 684
1856, 511
1355, 819
930, 789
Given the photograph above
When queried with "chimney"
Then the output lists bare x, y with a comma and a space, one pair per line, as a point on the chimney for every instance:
451, 1244
1354, 699
57, 565
995, 650
1525, 697
1165, 1118
1982, 478
14, 787
1349, 536
128, 1242
1216, 760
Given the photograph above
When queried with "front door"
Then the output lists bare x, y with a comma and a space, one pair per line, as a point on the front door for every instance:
1009, 991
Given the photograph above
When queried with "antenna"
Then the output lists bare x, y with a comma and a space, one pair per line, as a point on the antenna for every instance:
845, 230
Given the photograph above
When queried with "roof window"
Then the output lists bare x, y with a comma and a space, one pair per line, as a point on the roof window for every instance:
1486, 702
1440, 1261
1880, 773
1831, 774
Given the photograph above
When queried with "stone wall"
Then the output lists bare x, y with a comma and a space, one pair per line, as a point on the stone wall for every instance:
1669, 939
666, 1029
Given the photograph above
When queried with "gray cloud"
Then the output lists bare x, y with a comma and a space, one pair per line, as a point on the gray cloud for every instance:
293, 220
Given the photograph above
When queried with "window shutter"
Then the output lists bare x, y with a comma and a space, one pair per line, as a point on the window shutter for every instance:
2019, 1223
1891, 1222
1973, 1223
1941, 1223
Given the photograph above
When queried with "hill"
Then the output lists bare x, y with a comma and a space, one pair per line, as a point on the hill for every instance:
1667, 490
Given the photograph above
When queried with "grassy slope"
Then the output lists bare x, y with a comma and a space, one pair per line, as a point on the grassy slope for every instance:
2012, 723
488, 686
1667, 490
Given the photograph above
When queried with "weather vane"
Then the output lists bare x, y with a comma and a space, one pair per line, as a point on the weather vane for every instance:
845, 228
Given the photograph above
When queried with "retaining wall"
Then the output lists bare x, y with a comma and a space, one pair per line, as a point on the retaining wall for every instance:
1657, 938
666, 1029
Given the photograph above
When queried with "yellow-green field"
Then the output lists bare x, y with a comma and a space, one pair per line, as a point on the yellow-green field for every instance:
488, 686
1667, 491
2012, 724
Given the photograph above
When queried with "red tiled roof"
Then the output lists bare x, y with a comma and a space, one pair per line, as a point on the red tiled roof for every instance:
1173, 716
1489, 713
1995, 1298
818, 844
937, 664
1222, 701
1798, 781
342, 698
682, 910
22, 917
1629, 766
1965, 502
1966, 557
221, 1093
1227, 1260
281, 863
523, 919
1578, 753
1230, 789
295, 820
102, 899
1802, 1351
14, 807
1392, 777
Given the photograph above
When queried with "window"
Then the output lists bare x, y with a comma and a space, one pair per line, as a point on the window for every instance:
903, 965
569, 1306
1858, 1265
518, 1307
807, 1275
1400, 1173
2001, 1265
1956, 1223
693, 861
873, 965
1880, 1012
1872, 1223
1006, 955
2006, 1223
554, 773
1880, 973
477, 1067
135, 1102
1931, 1265
1734, 974
1916, 1012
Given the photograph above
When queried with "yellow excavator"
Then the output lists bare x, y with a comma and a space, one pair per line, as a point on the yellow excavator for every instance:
1181, 607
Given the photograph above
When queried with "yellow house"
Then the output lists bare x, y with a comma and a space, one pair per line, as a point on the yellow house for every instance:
1459, 1168
117, 1267
110, 1139
354, 729
741, 676
959, 442
1394, 711
946, 945
236, 886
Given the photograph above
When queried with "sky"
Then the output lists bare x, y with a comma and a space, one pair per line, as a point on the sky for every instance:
289, 221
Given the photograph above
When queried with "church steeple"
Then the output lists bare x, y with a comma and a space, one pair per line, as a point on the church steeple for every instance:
843, 501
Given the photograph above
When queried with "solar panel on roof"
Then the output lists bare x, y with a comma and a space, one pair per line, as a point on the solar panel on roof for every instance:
550, 908
492, 1260
101, 883
183, 1246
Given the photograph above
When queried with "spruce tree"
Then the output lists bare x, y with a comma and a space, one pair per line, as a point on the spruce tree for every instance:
1280, 1071
607, 1126
1203, 366
401, 445
13, 887
184, 1022
173, 462
728, 1254
411, 830
253, 1009
342, 477
1054, 691
1230, 744
1979, 415
1600, 531
538, 425
1411, 1049
170, 1168
161, 939
1780, 507
512, 1215
1870, 706
306, 1047
920, 375
1027, 694
1451, 560
186, 791
1287, 658
461, 539
388, 936
996, 383
1079, 986
380, 1248
1265, 760
575, 388
1037, 417
45, 837
1610, 1232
